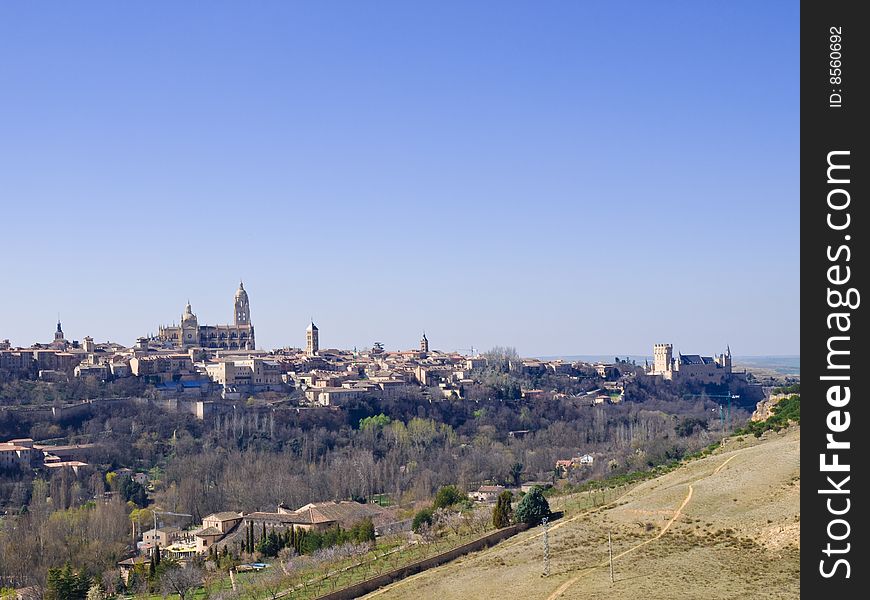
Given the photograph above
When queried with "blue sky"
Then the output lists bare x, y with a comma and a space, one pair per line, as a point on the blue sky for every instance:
562, 177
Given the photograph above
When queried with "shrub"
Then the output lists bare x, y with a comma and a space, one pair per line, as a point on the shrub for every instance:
423, 517
448, 496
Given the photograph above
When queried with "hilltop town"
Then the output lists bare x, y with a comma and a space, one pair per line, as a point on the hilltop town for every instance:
197, 362
332, 444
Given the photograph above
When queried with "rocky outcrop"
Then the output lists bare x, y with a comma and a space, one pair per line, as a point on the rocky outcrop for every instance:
764, 409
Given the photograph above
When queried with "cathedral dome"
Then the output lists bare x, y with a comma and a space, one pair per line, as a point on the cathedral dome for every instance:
188, 316
241, 293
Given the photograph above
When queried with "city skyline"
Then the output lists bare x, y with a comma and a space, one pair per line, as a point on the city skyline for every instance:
299, 341
495, 175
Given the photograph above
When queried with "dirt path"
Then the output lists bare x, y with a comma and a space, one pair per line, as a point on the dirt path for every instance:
564, 587
561, 523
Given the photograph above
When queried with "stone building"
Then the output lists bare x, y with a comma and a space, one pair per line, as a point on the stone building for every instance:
190, 334
312, 340
690, 367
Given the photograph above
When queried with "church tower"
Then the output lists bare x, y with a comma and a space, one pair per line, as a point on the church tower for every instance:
424, 343
189, 328
241, 307
59, 340
312, 340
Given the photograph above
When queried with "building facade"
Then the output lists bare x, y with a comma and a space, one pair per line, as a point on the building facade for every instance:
690, 367
190, 334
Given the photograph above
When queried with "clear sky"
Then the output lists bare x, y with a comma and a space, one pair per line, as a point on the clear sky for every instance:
562, 177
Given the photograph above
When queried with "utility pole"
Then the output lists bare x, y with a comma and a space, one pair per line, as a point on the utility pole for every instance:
610, 550
545, 523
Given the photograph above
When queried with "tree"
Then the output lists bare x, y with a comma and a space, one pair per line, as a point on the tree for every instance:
64, 584
363, 531
448, 496
533, 507
422, 518
502, 513
132, 491
516, 472
95, 592
269, 545
181, 580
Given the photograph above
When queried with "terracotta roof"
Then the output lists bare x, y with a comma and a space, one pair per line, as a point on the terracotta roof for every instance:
227, 515
346, 513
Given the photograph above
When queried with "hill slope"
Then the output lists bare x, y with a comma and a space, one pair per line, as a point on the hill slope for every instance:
722, 527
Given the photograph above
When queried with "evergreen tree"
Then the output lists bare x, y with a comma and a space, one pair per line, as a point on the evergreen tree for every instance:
501, 514
448, 496
533, 507
65, 584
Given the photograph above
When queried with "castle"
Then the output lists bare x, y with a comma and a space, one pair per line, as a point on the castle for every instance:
238, 336
689, 367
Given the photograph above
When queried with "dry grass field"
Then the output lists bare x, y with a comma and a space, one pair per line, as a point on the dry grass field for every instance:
726, 526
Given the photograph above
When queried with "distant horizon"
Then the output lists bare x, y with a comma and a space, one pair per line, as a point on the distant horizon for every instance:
300, 343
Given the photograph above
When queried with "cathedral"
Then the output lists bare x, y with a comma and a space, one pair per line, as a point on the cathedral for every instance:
189, 334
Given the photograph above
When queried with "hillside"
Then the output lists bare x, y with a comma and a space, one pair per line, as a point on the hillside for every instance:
722, 527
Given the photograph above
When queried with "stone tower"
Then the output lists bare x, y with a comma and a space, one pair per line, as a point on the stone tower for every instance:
663, 357
241, 307
189, 327
424, 343
312, 340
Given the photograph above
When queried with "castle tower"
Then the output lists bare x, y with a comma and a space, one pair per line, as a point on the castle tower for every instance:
312, 340
727, 359
663, 357
241, 307
424, 343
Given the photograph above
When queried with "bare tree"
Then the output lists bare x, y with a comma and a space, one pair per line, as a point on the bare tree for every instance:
181, 581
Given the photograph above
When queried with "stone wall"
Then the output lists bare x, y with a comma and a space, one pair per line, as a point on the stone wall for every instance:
370, 585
